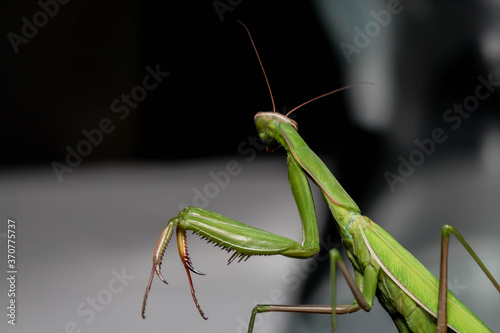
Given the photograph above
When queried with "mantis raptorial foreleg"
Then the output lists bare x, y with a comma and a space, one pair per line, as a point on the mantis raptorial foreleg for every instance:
244, 240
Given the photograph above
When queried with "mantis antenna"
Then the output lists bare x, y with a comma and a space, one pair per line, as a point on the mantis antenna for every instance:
328, 93
269, 86
260, 62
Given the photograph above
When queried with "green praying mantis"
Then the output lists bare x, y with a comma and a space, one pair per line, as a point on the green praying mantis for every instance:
413, 297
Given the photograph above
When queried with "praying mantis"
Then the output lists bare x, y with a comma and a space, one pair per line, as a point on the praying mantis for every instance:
414, 298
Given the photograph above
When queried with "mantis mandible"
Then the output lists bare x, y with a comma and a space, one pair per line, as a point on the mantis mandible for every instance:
413, 297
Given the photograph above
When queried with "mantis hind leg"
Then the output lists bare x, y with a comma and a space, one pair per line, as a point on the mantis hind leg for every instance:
362, 301
443, 275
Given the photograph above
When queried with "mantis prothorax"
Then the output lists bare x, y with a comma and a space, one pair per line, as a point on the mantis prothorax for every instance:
413, 297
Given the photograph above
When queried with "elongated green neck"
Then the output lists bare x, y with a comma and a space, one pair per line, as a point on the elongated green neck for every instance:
278, 130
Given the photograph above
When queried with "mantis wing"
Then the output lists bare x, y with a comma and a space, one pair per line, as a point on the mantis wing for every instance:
416, 280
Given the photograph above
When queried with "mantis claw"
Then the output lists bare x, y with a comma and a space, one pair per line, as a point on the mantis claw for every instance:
183, 253
158, 272
240, 240
161, 245
194, 270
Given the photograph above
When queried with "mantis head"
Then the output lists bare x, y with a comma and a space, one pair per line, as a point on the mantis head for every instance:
267, 124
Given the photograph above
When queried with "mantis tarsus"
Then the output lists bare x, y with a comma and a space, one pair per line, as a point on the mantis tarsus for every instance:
413, 297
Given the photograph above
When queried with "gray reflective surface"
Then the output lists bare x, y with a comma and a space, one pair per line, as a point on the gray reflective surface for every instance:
85, 245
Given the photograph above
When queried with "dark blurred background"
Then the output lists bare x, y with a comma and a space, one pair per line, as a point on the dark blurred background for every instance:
74, 71
65, 78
